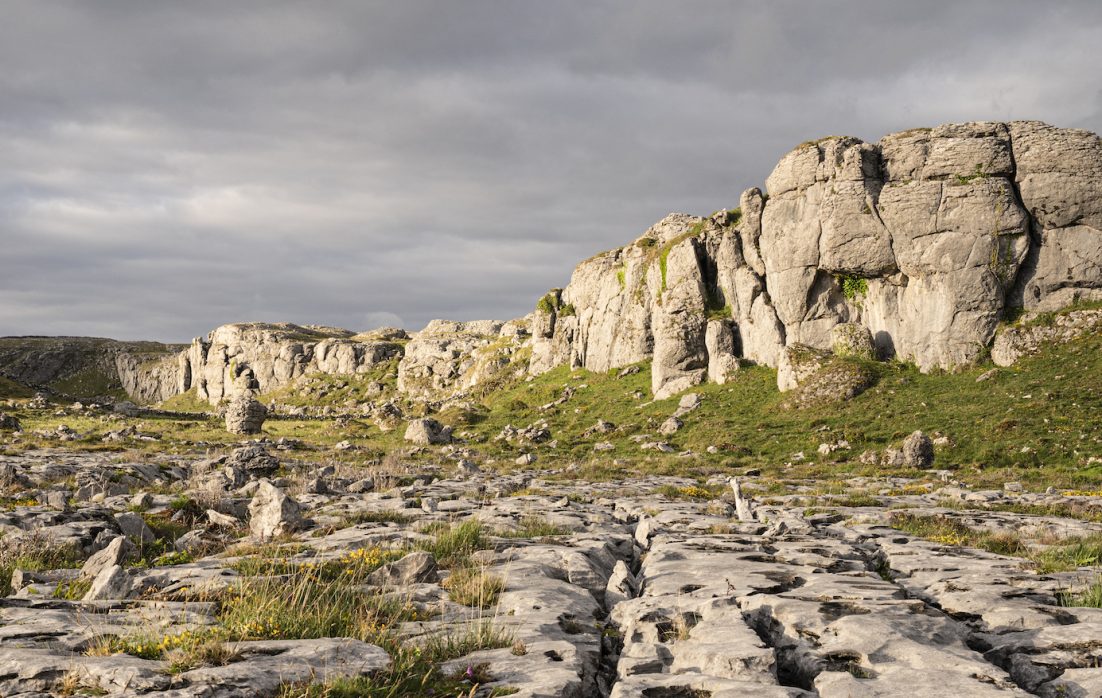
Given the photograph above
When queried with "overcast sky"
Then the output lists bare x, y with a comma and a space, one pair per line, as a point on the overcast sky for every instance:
169, 167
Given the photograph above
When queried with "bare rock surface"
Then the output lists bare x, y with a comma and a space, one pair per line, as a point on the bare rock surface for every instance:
606, 588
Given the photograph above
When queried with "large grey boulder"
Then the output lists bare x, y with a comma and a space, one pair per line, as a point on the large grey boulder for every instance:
134, 527
272, 512
245, 415
112, 582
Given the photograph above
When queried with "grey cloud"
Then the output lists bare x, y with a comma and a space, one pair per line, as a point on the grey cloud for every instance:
169, 167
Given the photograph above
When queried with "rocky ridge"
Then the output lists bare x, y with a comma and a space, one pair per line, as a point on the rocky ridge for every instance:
927, 240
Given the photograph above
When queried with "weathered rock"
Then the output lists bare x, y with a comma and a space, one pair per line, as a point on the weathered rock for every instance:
134, 527
425, 432
447, 358
9, 423
1012, 343
253, 460
852, 339
112, 582
117, 552
245, 415
670, 427
272, 512
412, 569
918, 451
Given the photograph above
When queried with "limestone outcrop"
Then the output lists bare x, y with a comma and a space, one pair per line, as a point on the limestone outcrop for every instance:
448, 358
919, 243
265, 356
924, 239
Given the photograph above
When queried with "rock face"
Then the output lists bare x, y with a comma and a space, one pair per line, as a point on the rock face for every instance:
88, 367
923, 239
262, 357
245, 415
447, 358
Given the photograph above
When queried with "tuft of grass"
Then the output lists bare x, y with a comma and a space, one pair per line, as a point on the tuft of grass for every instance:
1091, 597
385, 516
453, 546
533, 527
73, 590
474, 587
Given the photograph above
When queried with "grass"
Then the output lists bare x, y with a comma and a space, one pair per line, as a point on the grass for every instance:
474, 587
1091, 597
1058, 555
452, 546
32, 552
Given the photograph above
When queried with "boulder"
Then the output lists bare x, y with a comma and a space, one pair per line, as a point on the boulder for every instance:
427, 431
918, 451
272, 512
252, 460
117, 552
245, 415
9, 423
134, 527
852, 339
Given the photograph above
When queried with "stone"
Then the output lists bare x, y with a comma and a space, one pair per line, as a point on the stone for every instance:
272, 512
112, 582
425, 432
918, 451
245, 415
134, 527
414, 568
525, 459
9, 423
253, 460
670, 427
1027, 338
852, 339
224, 520
117, 552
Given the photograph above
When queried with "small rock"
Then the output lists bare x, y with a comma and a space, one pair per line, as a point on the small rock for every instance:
918, 451
526, 459
987, 375
9, 423
670, 427
343, 446
219, 519
1013, 487
603, 446
253, 460
361, 486
412, 569
425, 432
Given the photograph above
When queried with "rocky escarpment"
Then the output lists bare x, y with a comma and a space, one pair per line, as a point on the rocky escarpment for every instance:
924, 238
89, 366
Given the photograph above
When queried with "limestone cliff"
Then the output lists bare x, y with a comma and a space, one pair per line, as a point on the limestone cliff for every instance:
924, 238
265, 356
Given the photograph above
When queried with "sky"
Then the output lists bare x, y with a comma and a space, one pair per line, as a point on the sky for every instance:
166, 168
